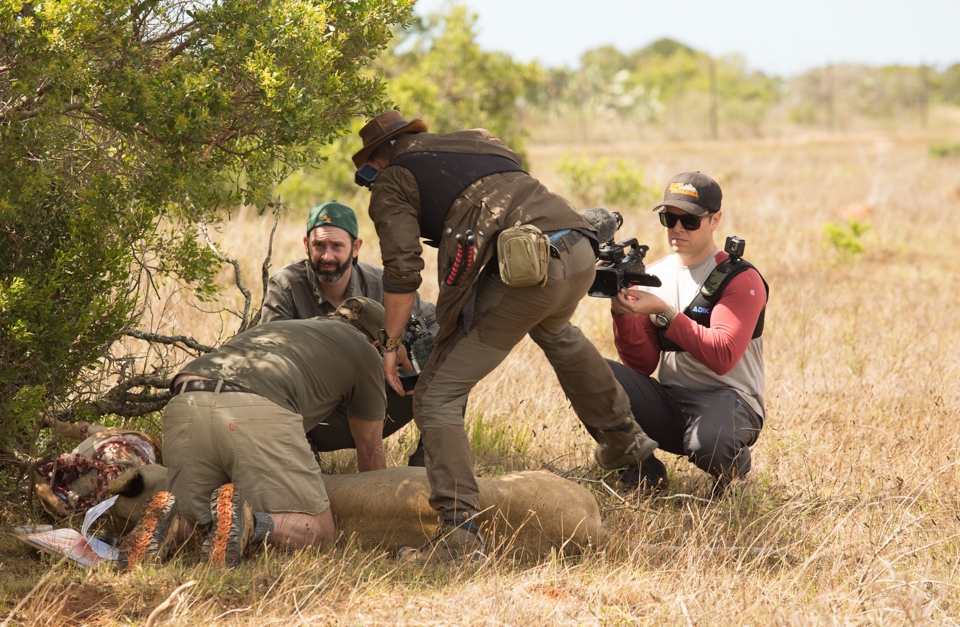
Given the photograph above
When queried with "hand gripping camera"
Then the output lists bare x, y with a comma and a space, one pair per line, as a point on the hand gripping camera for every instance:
418, 341
621, 268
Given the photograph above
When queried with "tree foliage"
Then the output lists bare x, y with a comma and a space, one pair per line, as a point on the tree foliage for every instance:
436, 70
123, 125
663, 82
617, 185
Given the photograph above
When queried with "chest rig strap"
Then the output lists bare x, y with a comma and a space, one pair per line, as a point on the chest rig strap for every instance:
711, 290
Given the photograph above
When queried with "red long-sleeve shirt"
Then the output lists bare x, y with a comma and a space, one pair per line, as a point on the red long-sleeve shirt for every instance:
719, 348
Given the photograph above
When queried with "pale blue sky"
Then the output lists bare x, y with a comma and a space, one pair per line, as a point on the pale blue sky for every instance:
775, 36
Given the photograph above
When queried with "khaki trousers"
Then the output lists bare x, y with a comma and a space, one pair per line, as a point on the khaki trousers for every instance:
504, 315
213, 438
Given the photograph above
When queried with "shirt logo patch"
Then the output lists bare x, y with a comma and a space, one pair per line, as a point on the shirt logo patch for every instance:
686, 189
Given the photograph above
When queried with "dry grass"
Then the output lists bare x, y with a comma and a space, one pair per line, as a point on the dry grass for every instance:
850, 517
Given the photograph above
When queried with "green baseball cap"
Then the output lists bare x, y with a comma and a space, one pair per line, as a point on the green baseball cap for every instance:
333, 213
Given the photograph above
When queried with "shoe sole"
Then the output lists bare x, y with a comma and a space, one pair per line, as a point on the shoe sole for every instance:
148, 540
223, 547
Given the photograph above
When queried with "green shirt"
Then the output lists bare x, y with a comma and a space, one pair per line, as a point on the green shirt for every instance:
307, 366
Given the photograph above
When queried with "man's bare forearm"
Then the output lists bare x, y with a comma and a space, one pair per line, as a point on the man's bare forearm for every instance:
368, 436
397, 308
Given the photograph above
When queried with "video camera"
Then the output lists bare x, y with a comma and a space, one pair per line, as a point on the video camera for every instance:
621, 269
418, 341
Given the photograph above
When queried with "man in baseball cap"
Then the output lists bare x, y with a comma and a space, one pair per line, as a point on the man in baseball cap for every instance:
703, 329
318, 285
693, 192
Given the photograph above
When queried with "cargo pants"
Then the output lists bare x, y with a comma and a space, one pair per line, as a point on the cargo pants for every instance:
503, 316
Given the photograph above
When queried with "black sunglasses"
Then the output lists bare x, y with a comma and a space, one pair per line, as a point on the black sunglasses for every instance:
689, 222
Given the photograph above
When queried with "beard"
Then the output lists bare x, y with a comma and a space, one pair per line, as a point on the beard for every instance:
328, 276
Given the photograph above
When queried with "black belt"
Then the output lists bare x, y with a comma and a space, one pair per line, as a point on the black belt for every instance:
564, 243
207, 385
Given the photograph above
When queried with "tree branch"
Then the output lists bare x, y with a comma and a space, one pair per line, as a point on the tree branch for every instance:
16, 114
265, 268
171, 340
247, 298
171, 35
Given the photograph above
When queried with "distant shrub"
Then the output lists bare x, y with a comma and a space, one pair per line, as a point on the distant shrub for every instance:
845, 239
617, 184
944, 150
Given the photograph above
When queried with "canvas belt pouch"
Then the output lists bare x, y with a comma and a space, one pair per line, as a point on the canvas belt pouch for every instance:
523, 252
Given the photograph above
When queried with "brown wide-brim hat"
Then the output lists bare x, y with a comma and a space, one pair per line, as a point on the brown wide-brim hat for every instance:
383, 128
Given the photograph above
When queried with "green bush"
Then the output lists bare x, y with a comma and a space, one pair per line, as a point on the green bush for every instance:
618, 184
845, 239
944, 149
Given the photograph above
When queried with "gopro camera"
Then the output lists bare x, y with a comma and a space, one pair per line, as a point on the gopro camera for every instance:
734, 247
366, 175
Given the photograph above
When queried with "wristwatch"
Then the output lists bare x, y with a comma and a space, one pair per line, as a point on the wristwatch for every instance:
664, 318
389, 343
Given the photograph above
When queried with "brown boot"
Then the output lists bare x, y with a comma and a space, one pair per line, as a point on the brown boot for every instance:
232, 528
453, 543
625, 446
154, 535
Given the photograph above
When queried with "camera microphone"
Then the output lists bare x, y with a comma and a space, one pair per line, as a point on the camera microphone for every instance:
606, 222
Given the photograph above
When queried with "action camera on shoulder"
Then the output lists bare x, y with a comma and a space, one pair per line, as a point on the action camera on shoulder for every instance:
734, 247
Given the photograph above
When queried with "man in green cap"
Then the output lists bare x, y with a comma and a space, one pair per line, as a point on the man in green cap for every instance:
317, 285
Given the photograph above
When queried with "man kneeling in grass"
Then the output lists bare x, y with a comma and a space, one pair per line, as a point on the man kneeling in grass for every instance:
233, 436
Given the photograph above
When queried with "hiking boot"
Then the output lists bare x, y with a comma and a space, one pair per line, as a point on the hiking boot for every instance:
453, 543
626, 446
232, 527
649, 478
155, 534
418, 457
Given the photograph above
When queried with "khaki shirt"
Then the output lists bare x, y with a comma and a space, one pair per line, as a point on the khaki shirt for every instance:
307, 366
486, 207
293, 293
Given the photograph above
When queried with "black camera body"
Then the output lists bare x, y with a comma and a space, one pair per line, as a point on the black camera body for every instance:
418, 341
622, 269
366, 175
734, 247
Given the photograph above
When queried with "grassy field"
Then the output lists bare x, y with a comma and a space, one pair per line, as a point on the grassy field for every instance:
851, 515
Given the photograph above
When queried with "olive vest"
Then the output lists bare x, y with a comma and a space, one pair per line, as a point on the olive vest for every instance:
444, 175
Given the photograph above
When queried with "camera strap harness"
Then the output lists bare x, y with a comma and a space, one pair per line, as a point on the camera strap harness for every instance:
711, 290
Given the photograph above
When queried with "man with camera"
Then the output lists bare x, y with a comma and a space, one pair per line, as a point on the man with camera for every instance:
461, 192
316, 286
703, 327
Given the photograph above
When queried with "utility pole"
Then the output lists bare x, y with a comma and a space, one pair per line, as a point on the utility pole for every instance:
714, 115
828, 76
924, 95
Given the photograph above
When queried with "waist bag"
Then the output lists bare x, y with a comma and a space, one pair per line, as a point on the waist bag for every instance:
524, 256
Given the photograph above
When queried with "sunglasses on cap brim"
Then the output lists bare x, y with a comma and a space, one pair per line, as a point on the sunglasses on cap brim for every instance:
689, 222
